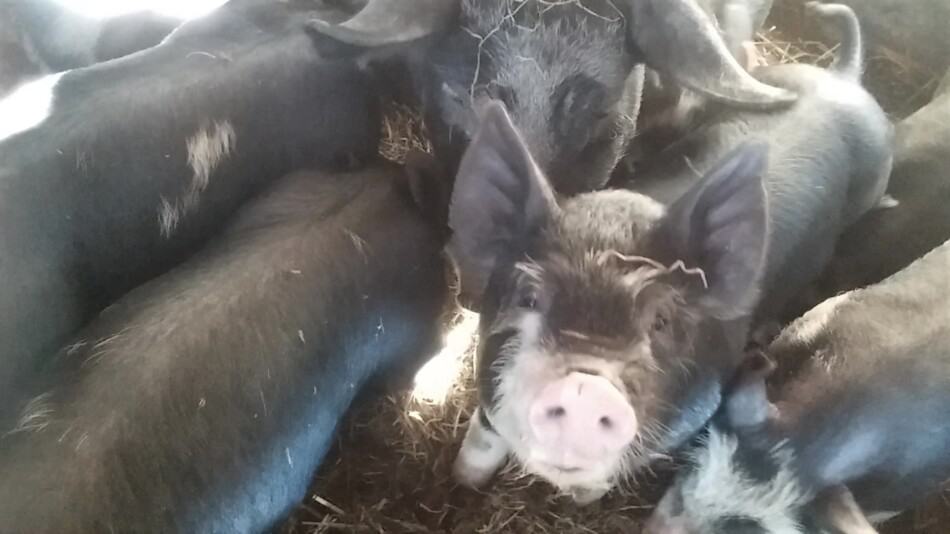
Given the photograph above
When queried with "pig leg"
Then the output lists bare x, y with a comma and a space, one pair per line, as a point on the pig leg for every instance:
483, 453
583, 496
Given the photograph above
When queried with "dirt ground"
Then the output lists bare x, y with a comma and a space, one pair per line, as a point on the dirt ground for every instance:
390, 470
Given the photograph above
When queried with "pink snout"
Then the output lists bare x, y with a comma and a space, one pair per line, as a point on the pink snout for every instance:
581, 417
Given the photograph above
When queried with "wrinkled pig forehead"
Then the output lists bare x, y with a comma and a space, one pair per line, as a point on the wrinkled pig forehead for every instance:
592, 295
590, 305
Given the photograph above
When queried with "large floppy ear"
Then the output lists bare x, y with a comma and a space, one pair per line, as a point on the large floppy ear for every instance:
499, 200
679, 39
720, 226
747, 405
835, 511
389, 22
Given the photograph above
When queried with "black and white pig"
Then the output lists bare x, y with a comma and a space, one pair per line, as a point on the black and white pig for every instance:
608, 322
112, 174
569, 72
204, 400
831, 156
885, 241
862, 408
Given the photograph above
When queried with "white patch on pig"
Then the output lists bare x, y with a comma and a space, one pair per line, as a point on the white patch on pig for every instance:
210, 145
206, 149
718, 488
167, 217
887, 202
36, 416
483, 453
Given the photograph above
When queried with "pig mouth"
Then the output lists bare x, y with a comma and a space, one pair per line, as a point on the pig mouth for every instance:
562, 468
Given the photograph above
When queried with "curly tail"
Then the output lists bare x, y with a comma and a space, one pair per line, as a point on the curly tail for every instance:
850, 62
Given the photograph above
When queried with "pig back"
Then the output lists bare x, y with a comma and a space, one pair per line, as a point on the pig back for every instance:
863, 386
204, 400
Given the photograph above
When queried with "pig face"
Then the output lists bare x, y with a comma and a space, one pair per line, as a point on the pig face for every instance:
742, 479
607, 321
567, 71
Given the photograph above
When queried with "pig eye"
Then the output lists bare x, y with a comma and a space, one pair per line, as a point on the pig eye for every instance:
528, 301
660, 323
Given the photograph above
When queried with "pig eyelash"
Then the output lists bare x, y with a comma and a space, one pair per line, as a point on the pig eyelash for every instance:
606, 255
678, 265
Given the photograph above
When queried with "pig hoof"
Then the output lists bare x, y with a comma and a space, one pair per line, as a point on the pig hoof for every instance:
470, 475
585, 496
483, 452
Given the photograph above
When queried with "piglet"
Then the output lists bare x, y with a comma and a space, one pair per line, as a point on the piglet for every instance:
885, 241
862, 410
608, 321
831, 156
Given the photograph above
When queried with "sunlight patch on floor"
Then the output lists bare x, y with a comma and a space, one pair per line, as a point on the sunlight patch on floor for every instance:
439, 375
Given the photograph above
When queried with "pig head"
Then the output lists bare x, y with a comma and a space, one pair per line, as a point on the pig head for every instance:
608, 322
570, 73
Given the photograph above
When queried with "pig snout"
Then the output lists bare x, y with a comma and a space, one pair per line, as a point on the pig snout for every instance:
579, 418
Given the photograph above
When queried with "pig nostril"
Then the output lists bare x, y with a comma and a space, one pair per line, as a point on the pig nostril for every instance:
606, 423
556, 412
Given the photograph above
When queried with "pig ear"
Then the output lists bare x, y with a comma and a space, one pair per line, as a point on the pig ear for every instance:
836, 512
500, 199
747, 404
720, 226
389, 22
677, 38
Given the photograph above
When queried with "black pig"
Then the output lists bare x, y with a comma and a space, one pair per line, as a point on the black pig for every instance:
569, 72
204, 400
831, 156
